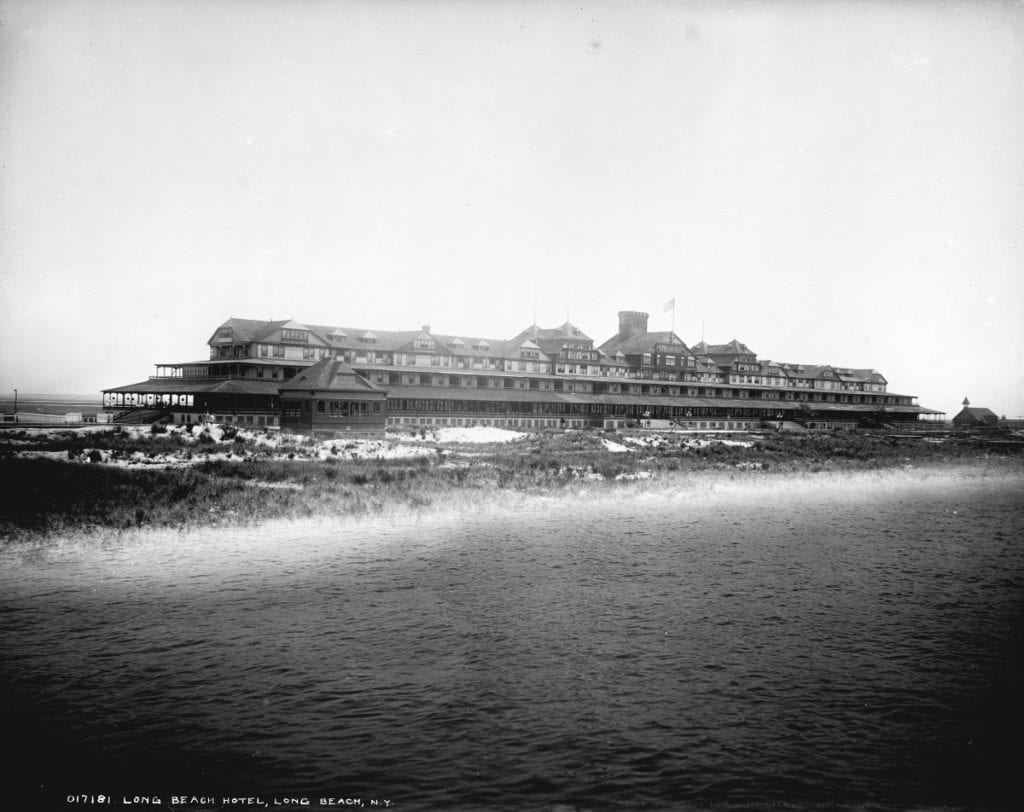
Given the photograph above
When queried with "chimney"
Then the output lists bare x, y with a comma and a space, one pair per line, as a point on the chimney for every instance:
426, 329
631, 323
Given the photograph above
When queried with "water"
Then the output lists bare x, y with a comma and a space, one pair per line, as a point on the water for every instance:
50, 404
808, 641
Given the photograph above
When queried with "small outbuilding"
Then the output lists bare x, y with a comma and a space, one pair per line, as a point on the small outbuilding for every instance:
329, 398
975, 418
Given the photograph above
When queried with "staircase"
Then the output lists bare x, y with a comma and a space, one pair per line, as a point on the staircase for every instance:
138, 417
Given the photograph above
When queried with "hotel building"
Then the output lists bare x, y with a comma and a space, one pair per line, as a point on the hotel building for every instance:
543, 377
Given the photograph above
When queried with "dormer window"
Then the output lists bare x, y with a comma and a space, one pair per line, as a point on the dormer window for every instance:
529, 350
482, 345
369, 337
295, 335
458, 343
224, 334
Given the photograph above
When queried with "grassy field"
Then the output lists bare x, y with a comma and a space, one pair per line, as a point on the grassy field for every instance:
59, 482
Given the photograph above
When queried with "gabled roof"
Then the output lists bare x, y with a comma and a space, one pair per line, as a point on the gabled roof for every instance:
552, 336
734, 347
567, 330
978, 414
570, 330
825, 371
330, 375
800, 370
245, 330
644, 342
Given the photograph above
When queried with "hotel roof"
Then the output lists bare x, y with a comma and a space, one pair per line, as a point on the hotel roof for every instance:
329, 375
643, 342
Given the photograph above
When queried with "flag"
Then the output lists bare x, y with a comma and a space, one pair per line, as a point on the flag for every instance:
670, 304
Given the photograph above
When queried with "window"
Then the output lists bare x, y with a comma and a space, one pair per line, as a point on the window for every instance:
278, 351
320, 407
295, 335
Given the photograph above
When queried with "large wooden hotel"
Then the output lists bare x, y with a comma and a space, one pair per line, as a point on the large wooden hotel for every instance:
317, 378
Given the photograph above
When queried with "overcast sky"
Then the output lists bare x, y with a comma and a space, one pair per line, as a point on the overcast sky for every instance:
829, 182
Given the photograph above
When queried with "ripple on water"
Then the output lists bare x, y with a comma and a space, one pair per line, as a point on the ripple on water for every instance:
796, 643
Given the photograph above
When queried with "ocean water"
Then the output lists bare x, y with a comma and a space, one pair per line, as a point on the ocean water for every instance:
51, 404
802, 640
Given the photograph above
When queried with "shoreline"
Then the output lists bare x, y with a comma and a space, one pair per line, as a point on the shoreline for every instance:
700, 490
146, 481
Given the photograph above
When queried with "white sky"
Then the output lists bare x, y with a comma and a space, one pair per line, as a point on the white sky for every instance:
830, 182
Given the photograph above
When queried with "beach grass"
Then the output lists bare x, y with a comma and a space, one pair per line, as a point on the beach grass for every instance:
233, 480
